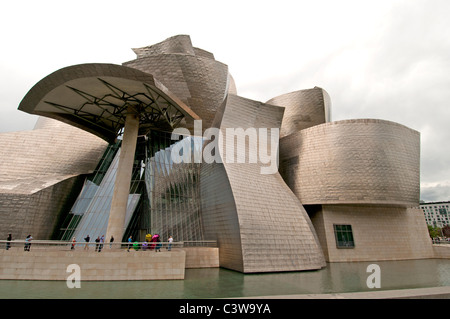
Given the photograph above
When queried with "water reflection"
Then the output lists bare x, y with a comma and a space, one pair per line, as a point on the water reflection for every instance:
223, 283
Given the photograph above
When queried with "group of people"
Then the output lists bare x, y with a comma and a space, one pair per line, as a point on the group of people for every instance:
27, 245
151, 242
441, 240
99, 242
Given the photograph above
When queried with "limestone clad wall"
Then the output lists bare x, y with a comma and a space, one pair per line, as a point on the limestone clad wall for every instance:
380, 233
108, 265
201, 257
441, 251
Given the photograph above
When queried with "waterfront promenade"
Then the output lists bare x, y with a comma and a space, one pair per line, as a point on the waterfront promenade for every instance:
416, 293
198, 267
52, 260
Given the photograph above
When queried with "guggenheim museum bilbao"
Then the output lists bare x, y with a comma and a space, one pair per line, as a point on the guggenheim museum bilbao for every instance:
163, 144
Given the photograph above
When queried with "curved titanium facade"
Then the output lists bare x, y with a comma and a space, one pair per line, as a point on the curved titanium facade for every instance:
259, 223
303, 109
191, 74
353, 162
41, 174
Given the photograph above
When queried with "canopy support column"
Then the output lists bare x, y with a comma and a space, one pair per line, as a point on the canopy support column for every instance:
122, 183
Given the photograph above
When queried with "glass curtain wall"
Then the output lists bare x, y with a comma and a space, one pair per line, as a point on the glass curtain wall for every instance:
88, 192
173, 191
91, 209
164, 196
95, 219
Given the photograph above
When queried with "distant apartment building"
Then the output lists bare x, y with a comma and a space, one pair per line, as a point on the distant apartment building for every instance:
437, 214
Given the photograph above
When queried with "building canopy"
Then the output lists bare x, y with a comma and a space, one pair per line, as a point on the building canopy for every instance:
96, 97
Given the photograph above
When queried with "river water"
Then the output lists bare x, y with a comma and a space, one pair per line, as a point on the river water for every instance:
223, 283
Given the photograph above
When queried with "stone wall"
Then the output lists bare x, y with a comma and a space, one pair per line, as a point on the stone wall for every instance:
118, 264
441, 251
380, 233
202, 257
36, 264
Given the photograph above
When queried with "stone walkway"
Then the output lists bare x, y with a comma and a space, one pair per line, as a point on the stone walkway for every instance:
418, 293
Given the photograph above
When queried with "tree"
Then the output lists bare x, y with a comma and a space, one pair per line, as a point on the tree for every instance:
446, 230
434, 231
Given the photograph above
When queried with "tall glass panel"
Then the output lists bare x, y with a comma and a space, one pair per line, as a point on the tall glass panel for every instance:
87, 193
173, 191
95, 218
164, 194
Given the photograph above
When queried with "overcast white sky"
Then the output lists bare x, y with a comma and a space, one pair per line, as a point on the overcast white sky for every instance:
377, 59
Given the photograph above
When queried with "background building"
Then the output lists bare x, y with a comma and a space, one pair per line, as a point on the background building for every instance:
437, 214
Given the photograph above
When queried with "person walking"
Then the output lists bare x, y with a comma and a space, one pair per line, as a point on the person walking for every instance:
129, 243
28, 243
170, 240
158, 244
8, 245
102, 241
87, 239
111, 240
97, 243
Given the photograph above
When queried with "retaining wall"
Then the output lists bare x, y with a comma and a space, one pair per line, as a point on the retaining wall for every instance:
39, 264
441, 251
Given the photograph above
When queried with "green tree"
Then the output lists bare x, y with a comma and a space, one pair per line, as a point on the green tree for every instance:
434, 231
446, 230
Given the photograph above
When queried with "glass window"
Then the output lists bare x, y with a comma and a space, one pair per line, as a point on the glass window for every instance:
344, 236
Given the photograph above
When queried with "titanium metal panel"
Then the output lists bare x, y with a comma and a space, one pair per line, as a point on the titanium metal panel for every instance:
191, 74
259, 223
363, 161
303, 109
39, 172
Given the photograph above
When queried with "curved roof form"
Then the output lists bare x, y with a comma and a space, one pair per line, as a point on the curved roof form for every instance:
192, 74
95, 97
361, 162
303, 109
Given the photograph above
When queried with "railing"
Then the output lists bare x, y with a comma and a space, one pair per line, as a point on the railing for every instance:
68, 245
441, 240
200, 243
